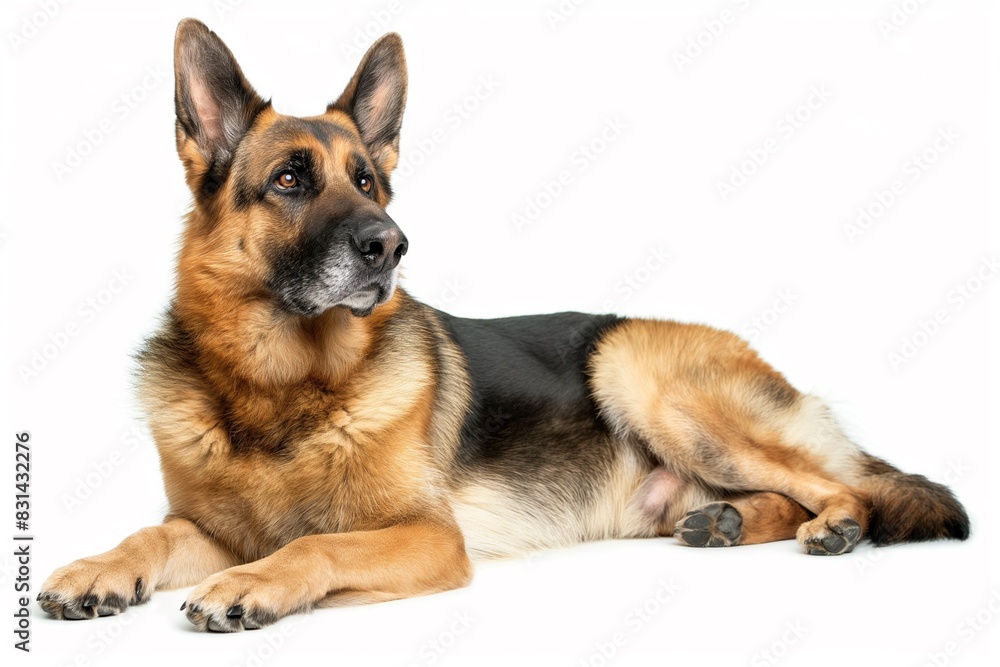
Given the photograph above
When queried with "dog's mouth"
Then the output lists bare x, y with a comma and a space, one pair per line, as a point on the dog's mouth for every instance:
363, 302
308, 286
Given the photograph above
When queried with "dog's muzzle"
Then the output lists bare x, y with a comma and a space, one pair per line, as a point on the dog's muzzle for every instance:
381, 244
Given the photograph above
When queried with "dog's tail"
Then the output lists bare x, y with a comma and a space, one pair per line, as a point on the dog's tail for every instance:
909, 508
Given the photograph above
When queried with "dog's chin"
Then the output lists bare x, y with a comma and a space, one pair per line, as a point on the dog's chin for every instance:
363, 302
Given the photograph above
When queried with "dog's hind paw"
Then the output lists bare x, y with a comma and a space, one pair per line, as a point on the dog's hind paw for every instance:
713, 525
829, 536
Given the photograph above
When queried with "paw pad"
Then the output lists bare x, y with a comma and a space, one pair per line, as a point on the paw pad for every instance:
712, 525
832, 538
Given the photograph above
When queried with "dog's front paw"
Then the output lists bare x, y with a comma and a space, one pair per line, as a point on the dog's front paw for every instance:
243, 598
92, 587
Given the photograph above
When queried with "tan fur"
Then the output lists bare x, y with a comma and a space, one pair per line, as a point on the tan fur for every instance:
712, 410
168, 556
364, 411
317, 460
323, 570
769, 517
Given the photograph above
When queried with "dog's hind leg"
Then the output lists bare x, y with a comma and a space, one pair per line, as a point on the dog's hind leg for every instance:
752, 518
714, 413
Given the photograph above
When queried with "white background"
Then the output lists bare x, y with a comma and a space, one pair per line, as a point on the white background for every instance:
655, 186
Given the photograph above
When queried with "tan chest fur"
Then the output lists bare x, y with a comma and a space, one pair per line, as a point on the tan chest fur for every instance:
356, 458
256, 502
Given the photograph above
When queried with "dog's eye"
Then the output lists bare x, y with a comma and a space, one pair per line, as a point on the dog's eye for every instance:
365, 183
286, 180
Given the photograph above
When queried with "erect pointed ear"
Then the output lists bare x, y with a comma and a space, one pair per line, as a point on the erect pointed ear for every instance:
215, 105
375, 99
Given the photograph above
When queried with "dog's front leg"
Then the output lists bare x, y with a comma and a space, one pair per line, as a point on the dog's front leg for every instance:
324, 570
174, 554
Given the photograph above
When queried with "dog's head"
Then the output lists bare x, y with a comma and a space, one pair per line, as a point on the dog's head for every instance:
288, 208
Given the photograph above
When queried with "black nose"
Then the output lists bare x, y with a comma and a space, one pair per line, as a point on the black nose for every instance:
380, 244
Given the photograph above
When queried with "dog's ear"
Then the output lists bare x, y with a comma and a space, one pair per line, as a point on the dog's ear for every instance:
215, 105
375, 99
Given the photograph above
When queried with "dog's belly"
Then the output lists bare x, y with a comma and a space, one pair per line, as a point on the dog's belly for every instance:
504, 515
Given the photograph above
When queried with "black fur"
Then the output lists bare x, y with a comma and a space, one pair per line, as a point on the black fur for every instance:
911, 508
532, 417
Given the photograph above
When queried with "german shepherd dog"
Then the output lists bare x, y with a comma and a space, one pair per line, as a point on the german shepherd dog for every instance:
326, 439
